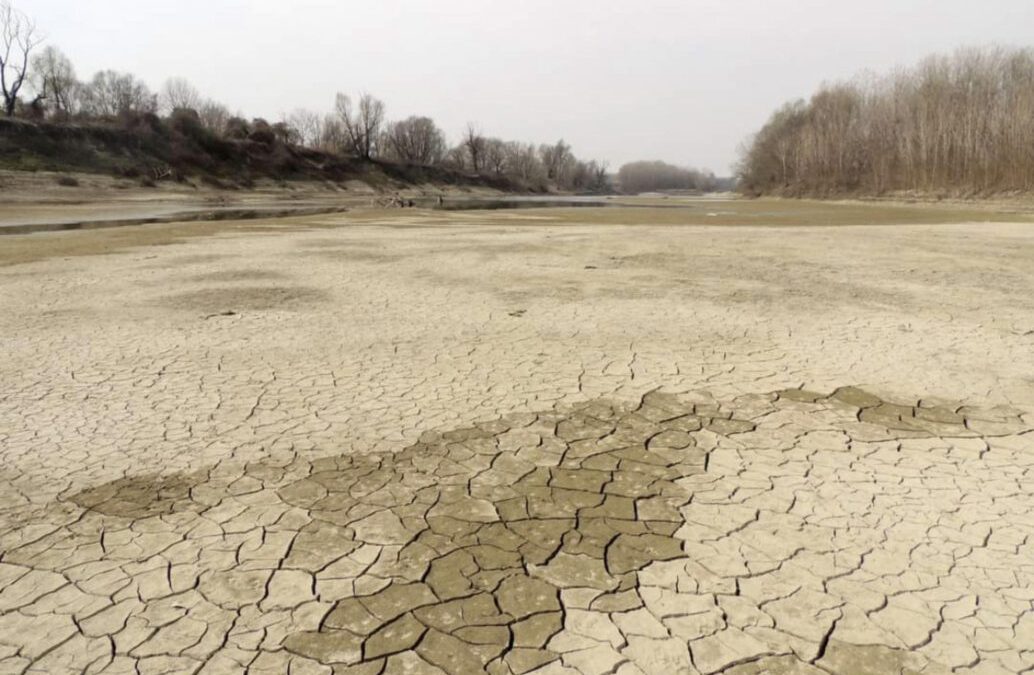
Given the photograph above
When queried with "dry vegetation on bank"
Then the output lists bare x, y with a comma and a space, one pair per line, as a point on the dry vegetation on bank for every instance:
953, 125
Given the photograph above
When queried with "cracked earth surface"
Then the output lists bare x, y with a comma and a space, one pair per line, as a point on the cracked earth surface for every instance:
471, 443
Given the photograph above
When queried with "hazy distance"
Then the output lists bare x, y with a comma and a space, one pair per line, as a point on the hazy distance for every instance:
684, 82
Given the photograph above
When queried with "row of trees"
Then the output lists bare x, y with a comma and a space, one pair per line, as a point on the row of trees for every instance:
636, 177
549, 164
357, 126
962, 123
360, 126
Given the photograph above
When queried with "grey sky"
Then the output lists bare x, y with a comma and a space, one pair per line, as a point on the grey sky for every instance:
641, 79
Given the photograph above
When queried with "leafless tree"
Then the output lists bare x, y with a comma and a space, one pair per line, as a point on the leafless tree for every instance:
456, 158
598, 179
214, 116
18, 37
556, 159
111, 93
474, 144
309, 126
416, 140
523, 163
177, 93
53, 79
285, 133
334, 137
495, 156
362, 123
580, 176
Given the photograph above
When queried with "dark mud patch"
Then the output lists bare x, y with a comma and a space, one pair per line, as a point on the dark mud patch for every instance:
238, 298
239, 275
347, 254
193, 259
142, 496
331, 242
492, 522
349, 251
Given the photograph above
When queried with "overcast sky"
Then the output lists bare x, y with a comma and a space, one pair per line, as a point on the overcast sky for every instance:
683, 81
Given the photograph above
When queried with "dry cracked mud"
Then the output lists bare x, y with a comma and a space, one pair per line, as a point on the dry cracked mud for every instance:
488, 458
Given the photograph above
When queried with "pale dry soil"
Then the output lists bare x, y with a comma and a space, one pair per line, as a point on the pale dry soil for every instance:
556, 441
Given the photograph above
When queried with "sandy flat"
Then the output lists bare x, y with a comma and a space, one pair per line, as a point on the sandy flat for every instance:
582, 440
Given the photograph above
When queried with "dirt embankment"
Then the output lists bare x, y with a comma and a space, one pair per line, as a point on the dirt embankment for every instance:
149, 151
44, 201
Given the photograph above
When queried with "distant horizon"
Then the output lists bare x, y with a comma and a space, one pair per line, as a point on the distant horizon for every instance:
680, 82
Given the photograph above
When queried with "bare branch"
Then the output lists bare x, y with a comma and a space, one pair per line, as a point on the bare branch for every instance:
18, 37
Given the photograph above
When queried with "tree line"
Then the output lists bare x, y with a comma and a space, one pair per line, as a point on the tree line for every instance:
39, 82
959, 124
655, 176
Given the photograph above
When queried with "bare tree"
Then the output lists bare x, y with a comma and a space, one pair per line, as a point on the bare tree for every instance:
177, 93
111, 93
416, 140
285, 133
53, 79
495, 156
309, 126
214, 116
18, 37
362, 123
556, 158
334, 137
600, 182
474, 143
456, 158
523, 163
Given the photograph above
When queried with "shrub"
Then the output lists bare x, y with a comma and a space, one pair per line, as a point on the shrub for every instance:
261, 132
145, 122
237, 128
187, 122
